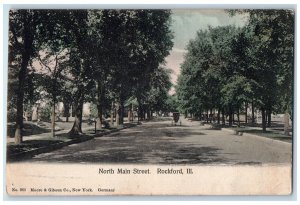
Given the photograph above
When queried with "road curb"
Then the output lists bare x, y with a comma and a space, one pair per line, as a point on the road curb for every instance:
29, 154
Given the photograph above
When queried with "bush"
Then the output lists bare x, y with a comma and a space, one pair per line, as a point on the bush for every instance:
45, 114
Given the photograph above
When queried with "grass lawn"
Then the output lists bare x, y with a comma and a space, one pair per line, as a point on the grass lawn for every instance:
30, 145
272, 134
29, 129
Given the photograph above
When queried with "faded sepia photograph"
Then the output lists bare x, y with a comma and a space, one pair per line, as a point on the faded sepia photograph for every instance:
150, 101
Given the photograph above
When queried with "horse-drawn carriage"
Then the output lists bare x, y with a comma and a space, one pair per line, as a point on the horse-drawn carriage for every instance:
175, 120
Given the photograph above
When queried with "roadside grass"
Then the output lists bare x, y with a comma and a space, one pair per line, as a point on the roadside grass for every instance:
46, 144
255, 129
272, 134
47, 141
276, 134
29, 129
30, 145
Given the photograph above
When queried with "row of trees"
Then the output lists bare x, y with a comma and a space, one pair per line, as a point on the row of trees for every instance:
228, 68
107, 57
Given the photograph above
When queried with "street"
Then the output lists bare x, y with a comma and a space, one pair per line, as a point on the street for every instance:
159, 142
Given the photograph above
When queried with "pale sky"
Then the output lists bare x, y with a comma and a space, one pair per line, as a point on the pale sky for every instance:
186, 23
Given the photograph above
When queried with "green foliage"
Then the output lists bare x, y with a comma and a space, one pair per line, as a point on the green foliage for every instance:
98, 56
227, 66
171, 104
160, 83
45, 113
93, 110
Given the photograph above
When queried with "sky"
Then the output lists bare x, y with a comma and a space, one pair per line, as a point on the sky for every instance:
186, 23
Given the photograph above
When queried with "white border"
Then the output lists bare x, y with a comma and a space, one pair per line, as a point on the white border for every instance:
139, 4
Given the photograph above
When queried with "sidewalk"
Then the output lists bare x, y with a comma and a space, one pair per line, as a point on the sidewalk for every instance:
41, 143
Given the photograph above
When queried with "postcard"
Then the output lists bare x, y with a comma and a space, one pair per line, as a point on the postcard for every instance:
150, 102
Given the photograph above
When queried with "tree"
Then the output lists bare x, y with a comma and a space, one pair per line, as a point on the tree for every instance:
157, 96
52, 64
192, 92
171, 104
154, 41
273, 35
23, 33
245, 65
134, 43
80, 62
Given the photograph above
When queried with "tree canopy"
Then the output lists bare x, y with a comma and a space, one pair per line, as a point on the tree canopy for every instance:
116, 54
228, 67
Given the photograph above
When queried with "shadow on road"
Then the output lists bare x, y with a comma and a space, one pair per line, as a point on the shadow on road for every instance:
139, 146
163, 154
160, 143
194, 155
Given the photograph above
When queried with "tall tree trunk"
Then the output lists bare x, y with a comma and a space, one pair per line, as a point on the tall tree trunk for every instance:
223, 116
28, 42
263, 118
100, 98
53, 119
246, 112
211, 115
233, 120
121, 113
99, 116
140, 113
230, 115
132, 110
230, 120
129, 113
139, 110
112, 114
269, 114
219, 113
76, 129
148, 114
286, 123
66, 110
117, 114
53, 107
252, 110
207, 116
73, 110
20, 98
200, 115
238, 116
